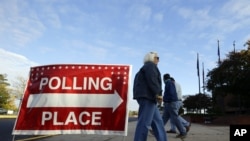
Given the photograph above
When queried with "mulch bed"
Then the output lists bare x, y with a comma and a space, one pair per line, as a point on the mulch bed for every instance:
232, 119
220, 120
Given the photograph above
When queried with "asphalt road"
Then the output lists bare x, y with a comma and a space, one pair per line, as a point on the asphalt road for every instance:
6, 127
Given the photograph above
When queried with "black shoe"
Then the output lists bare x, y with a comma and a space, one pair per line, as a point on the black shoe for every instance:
181, 136
188, 127
171, 131
151, 131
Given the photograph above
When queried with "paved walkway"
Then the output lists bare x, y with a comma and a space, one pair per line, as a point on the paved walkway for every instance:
197, 132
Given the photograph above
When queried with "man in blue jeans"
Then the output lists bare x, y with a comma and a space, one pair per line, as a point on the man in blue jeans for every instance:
147, 91
185, 123
171, 106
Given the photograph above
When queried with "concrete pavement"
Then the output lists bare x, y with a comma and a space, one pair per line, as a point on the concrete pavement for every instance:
198, 132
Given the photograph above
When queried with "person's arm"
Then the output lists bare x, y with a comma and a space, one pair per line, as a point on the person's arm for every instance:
152, 79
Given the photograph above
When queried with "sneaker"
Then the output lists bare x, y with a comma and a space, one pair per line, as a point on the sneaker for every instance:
171, 131
188, 127
181, 136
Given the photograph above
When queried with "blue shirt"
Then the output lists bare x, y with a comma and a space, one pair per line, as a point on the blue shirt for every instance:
170, 94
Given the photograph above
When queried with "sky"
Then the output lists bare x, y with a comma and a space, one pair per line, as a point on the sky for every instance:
42, 32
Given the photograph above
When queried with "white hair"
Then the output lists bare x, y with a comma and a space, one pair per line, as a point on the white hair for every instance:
149, 57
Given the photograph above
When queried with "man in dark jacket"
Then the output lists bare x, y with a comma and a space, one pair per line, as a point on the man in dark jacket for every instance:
147, 91
171, 106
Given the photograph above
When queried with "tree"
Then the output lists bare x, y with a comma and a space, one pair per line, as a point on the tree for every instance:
4, 95
198, 102
3, 80
247, 44
6, 101
19, 87
232, 77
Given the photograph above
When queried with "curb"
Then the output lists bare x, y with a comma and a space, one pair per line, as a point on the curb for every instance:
8, 116
35, 138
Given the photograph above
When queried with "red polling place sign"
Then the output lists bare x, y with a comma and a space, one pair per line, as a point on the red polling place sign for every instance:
75, 99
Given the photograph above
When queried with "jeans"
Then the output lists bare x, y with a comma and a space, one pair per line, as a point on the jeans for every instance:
183, 121
149, 116
171, 112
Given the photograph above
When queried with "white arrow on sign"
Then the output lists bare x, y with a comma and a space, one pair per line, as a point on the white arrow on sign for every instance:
75, 100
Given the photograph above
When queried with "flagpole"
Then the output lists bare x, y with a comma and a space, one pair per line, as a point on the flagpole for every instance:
203, 78
218, 52
234, 46
198, 72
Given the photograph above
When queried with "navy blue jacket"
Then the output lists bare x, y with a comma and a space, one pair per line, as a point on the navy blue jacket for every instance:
147, 82
170, 94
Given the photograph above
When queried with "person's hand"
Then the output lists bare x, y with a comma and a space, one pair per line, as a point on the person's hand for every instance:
159, 99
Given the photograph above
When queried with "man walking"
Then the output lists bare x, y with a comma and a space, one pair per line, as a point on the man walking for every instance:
171, 106
185, 123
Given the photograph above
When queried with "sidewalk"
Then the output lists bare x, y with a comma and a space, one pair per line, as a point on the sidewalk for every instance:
197, 132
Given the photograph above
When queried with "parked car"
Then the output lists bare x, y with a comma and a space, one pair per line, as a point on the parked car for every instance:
3, 111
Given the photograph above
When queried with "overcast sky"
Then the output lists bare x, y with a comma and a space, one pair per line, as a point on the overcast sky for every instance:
41, 32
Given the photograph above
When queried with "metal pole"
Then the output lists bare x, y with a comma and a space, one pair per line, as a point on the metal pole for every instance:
198, 72
234, 46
